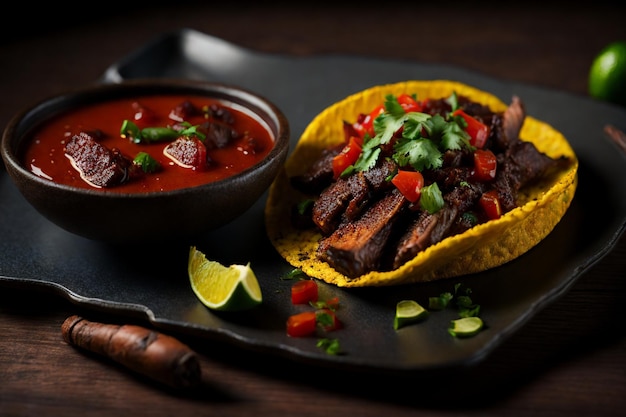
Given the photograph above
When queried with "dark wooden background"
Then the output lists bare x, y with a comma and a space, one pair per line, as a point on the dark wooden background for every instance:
570, 359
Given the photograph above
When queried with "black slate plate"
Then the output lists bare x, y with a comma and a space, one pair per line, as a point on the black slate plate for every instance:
152, 284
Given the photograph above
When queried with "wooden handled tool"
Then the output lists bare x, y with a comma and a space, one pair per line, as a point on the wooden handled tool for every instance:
145, 351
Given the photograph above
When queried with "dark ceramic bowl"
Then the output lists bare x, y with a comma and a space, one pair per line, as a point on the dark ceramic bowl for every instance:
131, 217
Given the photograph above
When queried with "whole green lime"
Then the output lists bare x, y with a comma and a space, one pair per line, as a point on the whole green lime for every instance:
607, 75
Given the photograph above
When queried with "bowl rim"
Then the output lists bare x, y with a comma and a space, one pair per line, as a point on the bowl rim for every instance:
60, 102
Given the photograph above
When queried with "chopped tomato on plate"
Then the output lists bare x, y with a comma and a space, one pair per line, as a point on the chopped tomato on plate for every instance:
302, 324
304, 292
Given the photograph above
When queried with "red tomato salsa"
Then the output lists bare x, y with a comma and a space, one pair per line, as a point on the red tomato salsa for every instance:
231, 141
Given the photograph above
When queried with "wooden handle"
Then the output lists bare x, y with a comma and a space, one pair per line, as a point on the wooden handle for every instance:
145, 351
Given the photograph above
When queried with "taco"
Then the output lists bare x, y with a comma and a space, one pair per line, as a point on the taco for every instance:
434, 179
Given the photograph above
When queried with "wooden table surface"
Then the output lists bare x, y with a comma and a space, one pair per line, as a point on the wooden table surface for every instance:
570, 359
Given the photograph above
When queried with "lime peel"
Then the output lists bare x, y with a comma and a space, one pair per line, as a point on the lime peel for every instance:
607, 74
407, 312
223, 288
466, 326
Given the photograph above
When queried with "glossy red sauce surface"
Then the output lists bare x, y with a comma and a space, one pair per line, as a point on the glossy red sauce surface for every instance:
44, 154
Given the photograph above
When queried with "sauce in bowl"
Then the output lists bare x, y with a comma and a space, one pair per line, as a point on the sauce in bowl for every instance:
249, 141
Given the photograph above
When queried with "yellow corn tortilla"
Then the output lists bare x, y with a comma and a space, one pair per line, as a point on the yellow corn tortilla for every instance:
483, 247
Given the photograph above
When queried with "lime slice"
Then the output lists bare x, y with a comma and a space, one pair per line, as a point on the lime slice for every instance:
407, 312
223, 288
465, 327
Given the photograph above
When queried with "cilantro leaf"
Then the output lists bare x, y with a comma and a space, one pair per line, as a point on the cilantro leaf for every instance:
419, 153
454, 137
193, 131
435, 126
365, 161
453, 101
414, 124
424, 138
386, 125
392, 106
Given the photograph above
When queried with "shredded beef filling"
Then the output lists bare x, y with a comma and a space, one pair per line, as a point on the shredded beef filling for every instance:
367, 225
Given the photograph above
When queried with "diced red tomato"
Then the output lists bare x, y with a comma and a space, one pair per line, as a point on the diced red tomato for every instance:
304, 292
409, 183
348, 156
490, 204
485, 164
368, 122
478, 131
333, 303
302, 324
409, 104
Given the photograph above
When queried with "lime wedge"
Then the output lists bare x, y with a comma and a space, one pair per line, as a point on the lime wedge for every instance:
465, 327
407, 312
223, 288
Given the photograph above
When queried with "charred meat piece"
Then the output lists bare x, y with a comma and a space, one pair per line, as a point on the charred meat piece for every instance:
345, 199
429, 229
217, 112
218, 127
319, 175
523, 165
98, 165
356, 248
378, 177
218, 135
508, 126
187, 152
416, 238
439, 106
513, 119
183, 111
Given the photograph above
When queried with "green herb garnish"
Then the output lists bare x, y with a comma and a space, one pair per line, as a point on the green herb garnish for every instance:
147, 163
424, 138
431, 199
330, 346
132, 132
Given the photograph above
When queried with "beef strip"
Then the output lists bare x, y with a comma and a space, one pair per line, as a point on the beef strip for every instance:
429, 229
98, 165
366, 226
343, 196
218, 135
513, 119
523, 165
355, 248
346, 198
507, 129
319, 175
